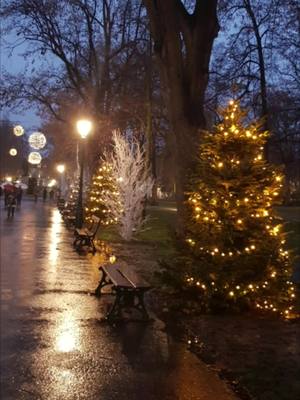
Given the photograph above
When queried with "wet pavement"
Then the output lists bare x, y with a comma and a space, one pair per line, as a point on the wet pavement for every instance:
54, 343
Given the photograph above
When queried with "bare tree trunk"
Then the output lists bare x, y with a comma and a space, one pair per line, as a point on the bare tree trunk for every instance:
183, 44
150, 134
262, 72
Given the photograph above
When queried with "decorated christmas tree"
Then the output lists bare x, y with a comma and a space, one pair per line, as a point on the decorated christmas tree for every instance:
102, 183
72, 196
235, 237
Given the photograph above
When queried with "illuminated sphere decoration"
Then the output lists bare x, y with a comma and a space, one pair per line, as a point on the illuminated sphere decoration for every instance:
13, 152
34, 158
37, 140
18, 130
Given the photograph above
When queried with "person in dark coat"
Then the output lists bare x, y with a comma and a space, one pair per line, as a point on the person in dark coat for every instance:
11, 205
36, 194
45, 194
19, 195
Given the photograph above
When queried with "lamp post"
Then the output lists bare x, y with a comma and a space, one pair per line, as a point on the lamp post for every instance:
61, 169
83, 127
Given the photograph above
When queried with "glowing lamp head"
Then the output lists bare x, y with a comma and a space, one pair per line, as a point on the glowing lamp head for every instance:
13, 152
60, 168
34, 158
18, 130
84, 127
37, 140
52, 183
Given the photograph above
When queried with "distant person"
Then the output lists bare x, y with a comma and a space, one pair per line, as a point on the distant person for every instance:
51, 194
11, 205
58, 193
45, 194
19, 196
36, 194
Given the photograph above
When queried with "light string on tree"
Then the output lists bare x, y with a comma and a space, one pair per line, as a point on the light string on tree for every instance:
233, 221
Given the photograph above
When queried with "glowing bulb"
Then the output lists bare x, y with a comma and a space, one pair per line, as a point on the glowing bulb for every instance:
18, 130
60, 168
112, 259
84, 127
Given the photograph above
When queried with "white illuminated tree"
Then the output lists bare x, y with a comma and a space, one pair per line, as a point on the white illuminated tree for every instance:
134, 183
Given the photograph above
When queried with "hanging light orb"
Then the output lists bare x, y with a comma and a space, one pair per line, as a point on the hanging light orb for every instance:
13, 152
37, 140
18, 130
34, 158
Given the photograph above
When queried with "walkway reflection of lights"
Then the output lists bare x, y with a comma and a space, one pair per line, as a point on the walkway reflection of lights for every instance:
67, 338
56, 227
64, 381
66, 342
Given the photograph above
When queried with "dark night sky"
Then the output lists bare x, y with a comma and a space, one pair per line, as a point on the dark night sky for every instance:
15, 63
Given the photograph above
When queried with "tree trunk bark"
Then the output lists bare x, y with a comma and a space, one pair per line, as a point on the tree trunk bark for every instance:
150, 134
262, 73
183, 44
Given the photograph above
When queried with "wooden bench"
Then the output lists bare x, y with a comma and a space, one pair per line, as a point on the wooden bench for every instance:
61, 204
86, 236
128, 287
69, 218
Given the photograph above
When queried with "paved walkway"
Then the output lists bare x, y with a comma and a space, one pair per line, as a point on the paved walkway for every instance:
53, 343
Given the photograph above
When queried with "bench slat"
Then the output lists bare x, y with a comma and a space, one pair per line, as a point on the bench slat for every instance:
133, 278
125, 276
115, 276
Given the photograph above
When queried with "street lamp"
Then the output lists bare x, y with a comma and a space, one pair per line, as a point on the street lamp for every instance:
84, 127
61, 169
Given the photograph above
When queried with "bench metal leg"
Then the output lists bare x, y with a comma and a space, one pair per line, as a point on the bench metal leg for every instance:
81, 241
104, 281
127, 299
115, 311
93, 246
141, 305
78, 243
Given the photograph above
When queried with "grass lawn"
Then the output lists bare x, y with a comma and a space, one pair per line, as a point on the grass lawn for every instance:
157, 233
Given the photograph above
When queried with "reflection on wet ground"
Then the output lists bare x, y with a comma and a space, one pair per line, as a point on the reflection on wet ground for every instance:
54, 344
